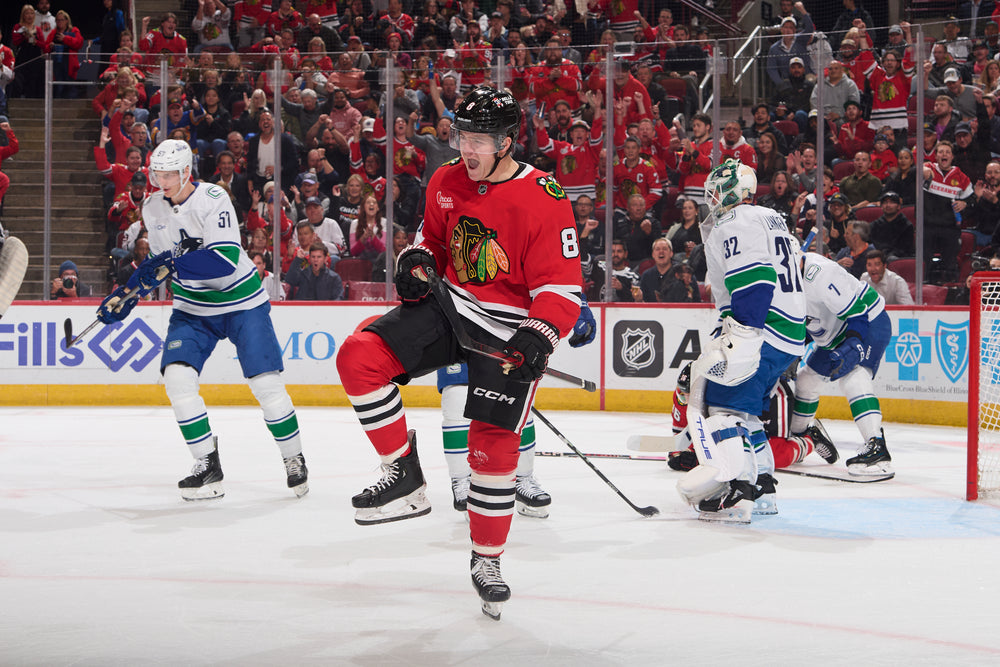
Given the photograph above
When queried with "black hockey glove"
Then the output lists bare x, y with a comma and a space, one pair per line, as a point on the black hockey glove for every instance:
528, 350
411, 273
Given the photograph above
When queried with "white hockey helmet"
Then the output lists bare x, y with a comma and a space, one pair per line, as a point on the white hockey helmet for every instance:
729, 184
171, 155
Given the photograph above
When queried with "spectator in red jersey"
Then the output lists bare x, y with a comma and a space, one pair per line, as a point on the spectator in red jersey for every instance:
63, 43
285, 16
576, 161
119, 174
29, 42
124, 81
696, 161
164, 39
734, 145
398, 21
855, 134
632, 174
251, 20
126, 209
626, 87
6, 151
884, 160
555, 78
6, 73
475, 57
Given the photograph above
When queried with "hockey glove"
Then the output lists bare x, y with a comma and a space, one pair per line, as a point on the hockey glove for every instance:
116, 306
411, 273
151, 273
846, 357
586, 327
528, 350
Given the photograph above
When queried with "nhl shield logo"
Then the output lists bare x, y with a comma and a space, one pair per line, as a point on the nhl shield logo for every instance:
952, 345
638, 348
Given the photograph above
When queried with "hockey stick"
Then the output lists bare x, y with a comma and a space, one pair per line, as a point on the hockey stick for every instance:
465, 341
644, 511
838, 475
130, 295
589, 455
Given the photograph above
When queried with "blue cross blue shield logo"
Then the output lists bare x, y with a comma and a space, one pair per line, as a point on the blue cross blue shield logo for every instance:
909, 349
951, 342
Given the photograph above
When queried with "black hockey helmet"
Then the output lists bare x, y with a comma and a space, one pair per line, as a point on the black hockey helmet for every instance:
684, 379
487, 110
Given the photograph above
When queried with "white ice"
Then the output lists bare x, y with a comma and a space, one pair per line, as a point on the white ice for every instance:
102, 563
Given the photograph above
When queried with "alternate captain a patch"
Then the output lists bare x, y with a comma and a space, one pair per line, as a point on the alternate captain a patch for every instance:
475, 252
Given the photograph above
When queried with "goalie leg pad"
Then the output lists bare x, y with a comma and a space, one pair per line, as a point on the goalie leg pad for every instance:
13, 264
723, 442
700, 484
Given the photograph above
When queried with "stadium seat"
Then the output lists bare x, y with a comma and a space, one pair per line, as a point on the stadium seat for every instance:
934, 295
868, 213
644, 265
789, 128
906, 268
842, 169
354, 269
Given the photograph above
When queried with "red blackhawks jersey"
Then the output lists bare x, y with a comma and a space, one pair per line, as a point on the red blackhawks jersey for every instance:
576, 166
155, 43
694, 170
507, 251
642, 178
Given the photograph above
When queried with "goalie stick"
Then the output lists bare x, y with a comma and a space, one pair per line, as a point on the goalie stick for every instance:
644, 511
130, 295
465, 341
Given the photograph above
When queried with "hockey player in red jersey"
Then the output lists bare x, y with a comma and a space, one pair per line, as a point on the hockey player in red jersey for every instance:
502, 236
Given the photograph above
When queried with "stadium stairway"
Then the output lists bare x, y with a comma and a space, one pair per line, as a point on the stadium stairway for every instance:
77, 210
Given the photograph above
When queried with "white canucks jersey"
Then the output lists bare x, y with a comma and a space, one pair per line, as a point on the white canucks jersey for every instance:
832, 297
204, 236
755, 277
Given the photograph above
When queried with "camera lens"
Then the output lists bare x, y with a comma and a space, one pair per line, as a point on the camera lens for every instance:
69, 283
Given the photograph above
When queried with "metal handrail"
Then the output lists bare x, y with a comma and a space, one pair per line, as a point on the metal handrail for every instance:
706, 104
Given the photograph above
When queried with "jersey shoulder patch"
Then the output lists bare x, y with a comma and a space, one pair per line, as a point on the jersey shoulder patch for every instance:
452, 161
551, 187
214, 191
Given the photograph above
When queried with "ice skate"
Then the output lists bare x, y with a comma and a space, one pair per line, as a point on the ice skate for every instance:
398, 494
766, 503
298, 474
733, 506
873, 459
530, 499
460, 492
489, 583
683, 460
205, 480
822, 444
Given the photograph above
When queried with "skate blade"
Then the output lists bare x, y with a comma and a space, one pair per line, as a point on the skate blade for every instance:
492, 609
765, 506
206, 492
740, 513
875, 469
301, 489
534, 512
407, 507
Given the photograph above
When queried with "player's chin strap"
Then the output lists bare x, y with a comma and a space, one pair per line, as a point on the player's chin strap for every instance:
496, 163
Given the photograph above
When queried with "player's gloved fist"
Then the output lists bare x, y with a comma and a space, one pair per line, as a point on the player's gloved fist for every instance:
586, 327
528, 350
152, 272
412, 270
846, 357
116, 306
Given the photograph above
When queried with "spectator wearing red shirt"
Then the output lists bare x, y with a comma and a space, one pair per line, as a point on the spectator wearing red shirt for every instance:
576, 162
626, 87
398, 21
5, 152
662, 35
696, 162
555, 78
474, 57
734, 145
251, 18
883, 159
126, 210
6, 73
855, 134
119, 174
890, 87
63, 43
620, 14
858, 63
633, 175
326, 10
285, 16
164, 39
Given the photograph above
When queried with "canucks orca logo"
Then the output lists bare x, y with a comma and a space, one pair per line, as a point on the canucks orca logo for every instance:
951, 342
187, 244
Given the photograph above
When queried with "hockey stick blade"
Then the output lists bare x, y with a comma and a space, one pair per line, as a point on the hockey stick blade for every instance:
465, 341
836, 475
644, 511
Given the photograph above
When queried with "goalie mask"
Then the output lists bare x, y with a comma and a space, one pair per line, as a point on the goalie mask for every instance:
171, 155
729, 184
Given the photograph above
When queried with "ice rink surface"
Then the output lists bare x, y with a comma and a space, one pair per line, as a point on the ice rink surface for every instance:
102, 563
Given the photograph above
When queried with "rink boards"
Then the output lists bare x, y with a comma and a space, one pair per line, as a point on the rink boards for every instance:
635, 360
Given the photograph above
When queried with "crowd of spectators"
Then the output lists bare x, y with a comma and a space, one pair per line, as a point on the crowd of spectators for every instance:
333, 97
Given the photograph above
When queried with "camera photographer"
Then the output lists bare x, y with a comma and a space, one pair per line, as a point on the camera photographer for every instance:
68, 285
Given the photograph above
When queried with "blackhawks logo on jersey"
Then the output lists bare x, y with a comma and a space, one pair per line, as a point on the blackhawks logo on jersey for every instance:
475, 252
551, 187
886, 92
568, 164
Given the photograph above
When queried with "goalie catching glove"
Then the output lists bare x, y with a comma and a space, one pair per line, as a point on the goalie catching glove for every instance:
846, 357
411, 273
527, 352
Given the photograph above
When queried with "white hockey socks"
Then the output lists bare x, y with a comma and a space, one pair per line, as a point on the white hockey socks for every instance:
526, 450
455, 430
279, 413
181, 384
808, 385
859, 388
